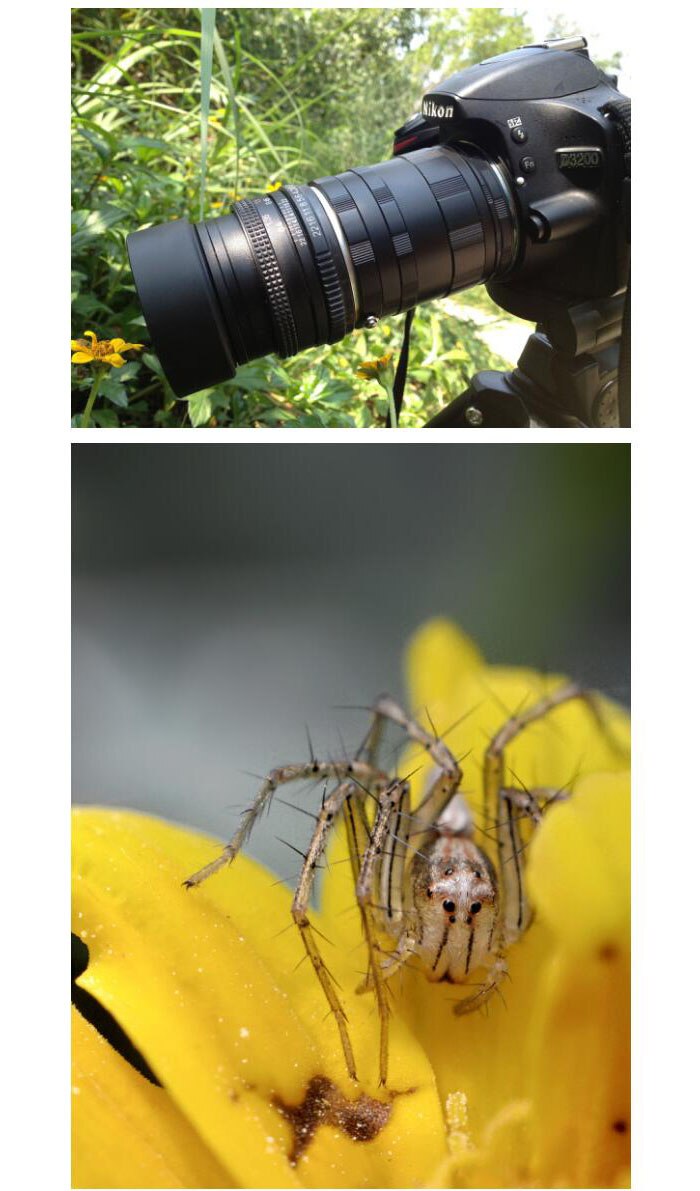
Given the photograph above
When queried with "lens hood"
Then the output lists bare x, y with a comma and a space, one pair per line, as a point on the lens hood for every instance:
180, 306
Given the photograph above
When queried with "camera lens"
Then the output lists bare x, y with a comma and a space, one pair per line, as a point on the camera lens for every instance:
306, 264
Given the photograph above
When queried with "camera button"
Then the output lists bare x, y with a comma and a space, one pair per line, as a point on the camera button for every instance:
518, 135
527, 165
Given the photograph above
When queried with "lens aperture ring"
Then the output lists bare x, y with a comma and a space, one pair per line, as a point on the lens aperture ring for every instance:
266, 261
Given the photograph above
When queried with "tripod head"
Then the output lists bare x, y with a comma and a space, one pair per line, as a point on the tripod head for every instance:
569, 373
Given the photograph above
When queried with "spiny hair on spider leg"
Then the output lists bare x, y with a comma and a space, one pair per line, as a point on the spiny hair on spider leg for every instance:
430, 720
320, 934
301, 809
287, 844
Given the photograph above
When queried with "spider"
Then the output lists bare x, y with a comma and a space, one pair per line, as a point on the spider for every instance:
421, 880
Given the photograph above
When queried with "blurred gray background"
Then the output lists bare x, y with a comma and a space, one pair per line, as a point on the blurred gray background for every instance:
225, 596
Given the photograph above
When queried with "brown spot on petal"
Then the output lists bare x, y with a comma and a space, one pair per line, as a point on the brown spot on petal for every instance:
324, 1104
620, 1126
608, 952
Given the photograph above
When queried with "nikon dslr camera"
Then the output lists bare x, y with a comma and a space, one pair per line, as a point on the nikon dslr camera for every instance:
514, 174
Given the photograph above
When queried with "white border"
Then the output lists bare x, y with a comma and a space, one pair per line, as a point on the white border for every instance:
35, 482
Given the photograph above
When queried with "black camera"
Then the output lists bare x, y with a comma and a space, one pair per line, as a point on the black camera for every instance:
515, 173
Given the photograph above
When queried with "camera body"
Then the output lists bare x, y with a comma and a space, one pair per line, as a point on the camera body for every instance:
541, 112
514, 175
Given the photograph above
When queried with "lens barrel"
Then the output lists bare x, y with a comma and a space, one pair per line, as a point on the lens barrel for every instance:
306, 264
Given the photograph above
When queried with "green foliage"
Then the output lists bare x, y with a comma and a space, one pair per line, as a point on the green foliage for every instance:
461, 37
294, 94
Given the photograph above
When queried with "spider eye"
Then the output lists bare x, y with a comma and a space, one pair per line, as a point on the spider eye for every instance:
449, 906
475, 907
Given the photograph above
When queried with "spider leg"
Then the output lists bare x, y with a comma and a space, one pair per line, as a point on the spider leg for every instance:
494, 976
393, 960
391, 800
387, 708
493, 761
336, 800
446, 782
512, 806
305, 771
373, 740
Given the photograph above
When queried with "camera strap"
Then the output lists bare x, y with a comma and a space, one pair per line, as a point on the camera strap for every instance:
401, 368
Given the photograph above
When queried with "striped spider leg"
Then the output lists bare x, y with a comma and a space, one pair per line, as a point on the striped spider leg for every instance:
508, 808
384, 853
347, 775
304, 771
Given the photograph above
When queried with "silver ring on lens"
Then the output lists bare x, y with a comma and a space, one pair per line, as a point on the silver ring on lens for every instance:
508, 195
340, 236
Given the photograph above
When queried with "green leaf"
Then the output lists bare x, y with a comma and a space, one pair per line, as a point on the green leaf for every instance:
145, 142
153, 363
100, 145
199, 406
126, 372
89, 225
107, 418
258, 376
114, 391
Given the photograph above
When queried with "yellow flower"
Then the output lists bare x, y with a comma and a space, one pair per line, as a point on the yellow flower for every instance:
92, 350
273, 186
371, 369
252, 1087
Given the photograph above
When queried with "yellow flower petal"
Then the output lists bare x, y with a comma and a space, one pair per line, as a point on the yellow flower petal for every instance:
438, 658
580, 1072
91, 335
79, 344
120, 345
204, 984
114, 359
579, 866
81, 357
126, 1131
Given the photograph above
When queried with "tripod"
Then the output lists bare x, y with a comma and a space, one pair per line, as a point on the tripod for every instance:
570, 373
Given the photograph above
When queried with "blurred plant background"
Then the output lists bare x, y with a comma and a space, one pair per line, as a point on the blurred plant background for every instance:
169, 124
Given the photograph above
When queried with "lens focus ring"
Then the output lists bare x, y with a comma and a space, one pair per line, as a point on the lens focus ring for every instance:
272, 278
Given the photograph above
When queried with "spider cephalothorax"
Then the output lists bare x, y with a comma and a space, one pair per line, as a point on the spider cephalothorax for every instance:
455, 904
422, 882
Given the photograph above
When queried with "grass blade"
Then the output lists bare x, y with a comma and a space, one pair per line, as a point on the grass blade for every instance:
208, 24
